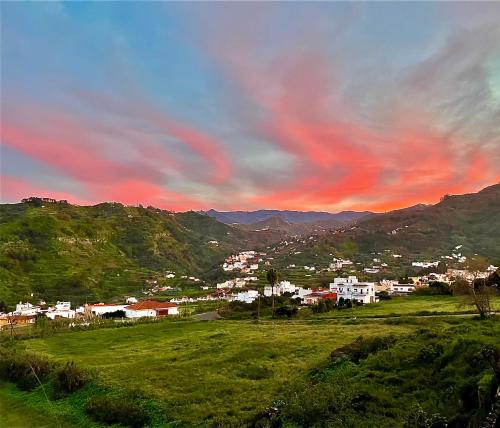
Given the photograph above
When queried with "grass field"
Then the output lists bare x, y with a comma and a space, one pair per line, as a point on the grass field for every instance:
222, 369
16, 414
410, 305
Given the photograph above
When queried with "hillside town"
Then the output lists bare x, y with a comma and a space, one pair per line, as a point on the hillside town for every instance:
244, 289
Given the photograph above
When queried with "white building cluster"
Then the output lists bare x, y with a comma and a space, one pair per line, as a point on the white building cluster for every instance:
245, 262
338, 264
236, 282
60, 310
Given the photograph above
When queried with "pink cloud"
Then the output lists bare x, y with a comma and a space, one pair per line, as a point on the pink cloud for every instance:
14, 189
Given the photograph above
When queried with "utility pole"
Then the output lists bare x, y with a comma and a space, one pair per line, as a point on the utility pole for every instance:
258, 306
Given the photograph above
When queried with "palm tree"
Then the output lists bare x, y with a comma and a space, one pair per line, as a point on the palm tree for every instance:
272, 278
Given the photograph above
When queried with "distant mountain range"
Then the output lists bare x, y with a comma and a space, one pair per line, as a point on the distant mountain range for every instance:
296, 217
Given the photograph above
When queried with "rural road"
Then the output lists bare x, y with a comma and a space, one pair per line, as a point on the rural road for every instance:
207, 316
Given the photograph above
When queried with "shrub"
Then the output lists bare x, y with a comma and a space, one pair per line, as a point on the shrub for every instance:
361, 348
383, 295
435, 288
114, 410
419, 418
430, 352
286, 311
69, 378
115, 314
25, 370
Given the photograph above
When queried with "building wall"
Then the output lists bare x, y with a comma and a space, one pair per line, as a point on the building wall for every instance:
130, 313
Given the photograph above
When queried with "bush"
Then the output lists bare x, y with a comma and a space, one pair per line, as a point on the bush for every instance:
383, 295
435, 288
115, 314
69, 378
361, 348
430, 352
418, 418
286, 311
114, 410
25, 370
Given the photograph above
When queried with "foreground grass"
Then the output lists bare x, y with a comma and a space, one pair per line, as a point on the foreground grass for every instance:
438, 373
15, 413
222, 370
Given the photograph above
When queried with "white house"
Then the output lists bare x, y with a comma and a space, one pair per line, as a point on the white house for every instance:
425, 264
99, 309
300, 293
151, 308
27, 309
313, 298
286, 287
402, 289
281, 288
247, 296
61, 310
226, 284
268, 291
350, 288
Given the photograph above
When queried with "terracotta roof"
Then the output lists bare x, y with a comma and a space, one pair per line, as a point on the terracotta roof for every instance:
105, 304
150, 304
330, 296
315, 294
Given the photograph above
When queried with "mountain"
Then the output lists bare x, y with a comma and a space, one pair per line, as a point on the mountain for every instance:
471, 221
57, 250
287, 228
278, 225
252, 217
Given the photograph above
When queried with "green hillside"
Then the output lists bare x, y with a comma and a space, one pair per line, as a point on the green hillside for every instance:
58, 250
471, 220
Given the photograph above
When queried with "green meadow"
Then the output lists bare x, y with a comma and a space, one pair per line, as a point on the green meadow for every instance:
206, 370
16, 414
411, 305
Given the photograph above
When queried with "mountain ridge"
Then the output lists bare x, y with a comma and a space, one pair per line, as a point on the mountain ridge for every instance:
291, 216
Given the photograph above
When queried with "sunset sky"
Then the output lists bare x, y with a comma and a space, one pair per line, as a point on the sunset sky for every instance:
318, 106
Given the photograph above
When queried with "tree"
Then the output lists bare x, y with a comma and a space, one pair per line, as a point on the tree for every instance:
477, 265
478, 291
3, 307
272, 279
474, 293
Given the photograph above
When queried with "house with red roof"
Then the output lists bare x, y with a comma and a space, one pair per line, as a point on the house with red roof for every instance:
317, 295
151, 308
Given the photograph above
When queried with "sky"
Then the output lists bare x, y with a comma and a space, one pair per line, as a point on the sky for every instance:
304, 106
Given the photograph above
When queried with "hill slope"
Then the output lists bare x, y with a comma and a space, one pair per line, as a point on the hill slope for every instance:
57, 250
470, 220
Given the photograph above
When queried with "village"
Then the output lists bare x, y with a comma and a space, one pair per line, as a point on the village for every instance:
244, 288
